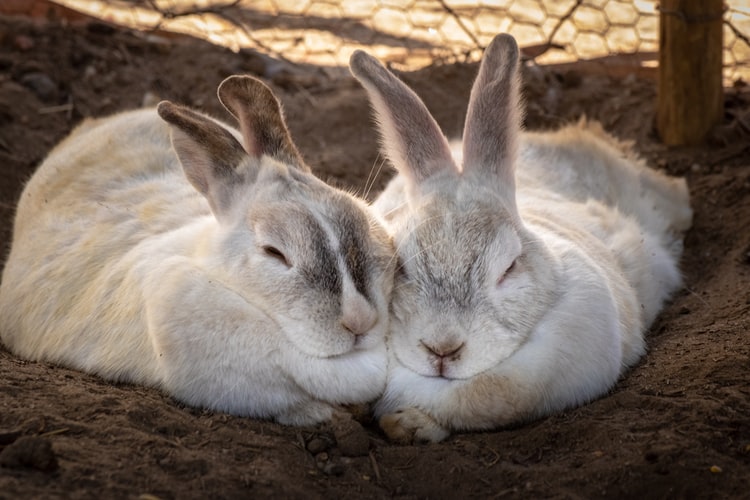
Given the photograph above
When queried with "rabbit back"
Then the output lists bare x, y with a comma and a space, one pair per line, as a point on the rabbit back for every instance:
117, 171
638, 213
582, 161
112, 186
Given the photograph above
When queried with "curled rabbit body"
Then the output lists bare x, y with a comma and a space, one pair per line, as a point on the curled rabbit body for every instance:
162, 247
530, 264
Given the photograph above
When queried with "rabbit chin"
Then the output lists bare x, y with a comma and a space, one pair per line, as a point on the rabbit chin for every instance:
473, 359
323, 343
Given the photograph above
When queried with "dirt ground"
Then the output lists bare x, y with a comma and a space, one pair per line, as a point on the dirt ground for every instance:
677, 426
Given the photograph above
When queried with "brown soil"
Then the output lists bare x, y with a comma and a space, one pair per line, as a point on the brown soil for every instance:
677, 426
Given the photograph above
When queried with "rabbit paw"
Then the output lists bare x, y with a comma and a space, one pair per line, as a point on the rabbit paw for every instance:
412, 425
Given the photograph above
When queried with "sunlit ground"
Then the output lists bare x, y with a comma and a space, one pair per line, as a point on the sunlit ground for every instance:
414, 33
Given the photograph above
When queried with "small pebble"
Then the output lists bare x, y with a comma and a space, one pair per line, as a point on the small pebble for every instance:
333, 469
41, 84
351, 438
316, 446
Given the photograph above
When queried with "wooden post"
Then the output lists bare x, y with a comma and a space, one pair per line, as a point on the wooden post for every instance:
690, 93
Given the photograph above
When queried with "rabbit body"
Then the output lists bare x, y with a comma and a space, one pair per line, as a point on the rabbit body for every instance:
232, 280
527, 275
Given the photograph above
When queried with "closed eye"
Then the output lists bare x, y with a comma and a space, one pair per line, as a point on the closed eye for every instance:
400, 271
509, 270
275, 253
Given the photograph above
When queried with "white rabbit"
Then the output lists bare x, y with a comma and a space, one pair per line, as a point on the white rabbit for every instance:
529, 268
228, 276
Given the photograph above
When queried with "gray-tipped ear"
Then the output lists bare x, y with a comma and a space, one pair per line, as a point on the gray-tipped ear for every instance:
261, 121
493, 119
209, 154
412, 139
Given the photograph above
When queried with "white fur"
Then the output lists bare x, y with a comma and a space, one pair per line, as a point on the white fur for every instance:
530, 266
119, 267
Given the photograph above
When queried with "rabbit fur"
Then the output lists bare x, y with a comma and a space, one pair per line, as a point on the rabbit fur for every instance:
530, 263
212, 265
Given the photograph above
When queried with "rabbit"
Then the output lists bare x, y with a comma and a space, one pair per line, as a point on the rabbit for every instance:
162, 247
529, 263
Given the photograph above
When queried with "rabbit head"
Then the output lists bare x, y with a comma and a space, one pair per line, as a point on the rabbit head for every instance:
471, 281
311, 257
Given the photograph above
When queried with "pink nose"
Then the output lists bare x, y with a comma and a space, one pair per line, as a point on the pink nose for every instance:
443, 355
358, 316
443, 350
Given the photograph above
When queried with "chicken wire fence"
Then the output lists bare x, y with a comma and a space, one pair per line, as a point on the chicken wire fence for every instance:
410, 34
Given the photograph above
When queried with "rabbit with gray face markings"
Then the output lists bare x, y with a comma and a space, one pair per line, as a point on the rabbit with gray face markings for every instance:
530, 264
162, 247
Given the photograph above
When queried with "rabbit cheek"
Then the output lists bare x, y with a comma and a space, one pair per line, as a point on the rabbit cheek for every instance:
324, 326
313, 329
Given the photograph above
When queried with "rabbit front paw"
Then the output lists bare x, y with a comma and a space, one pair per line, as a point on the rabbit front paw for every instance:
411, 425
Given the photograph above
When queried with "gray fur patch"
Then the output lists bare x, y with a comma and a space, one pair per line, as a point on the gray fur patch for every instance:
322, 271
351, 233
449, 273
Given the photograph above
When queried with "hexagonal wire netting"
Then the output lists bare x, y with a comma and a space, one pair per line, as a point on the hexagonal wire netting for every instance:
415, 33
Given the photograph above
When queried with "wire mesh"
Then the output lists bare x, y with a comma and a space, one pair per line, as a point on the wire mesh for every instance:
415, 33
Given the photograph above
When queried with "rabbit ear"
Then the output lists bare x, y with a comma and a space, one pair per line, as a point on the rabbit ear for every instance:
208, 152
261, 120
493, 119
411, 137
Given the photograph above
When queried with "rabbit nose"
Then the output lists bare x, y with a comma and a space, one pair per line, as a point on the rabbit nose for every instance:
443, 350
358, 316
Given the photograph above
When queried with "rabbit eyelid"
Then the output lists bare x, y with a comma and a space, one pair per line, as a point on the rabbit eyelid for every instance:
512, 268
275, 253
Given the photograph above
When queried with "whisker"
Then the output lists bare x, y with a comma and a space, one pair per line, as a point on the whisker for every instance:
395, 209
421, 223
371, 177
424, 250
403, 285
695, 294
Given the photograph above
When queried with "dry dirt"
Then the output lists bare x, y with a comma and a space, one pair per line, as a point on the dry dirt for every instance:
677, 426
